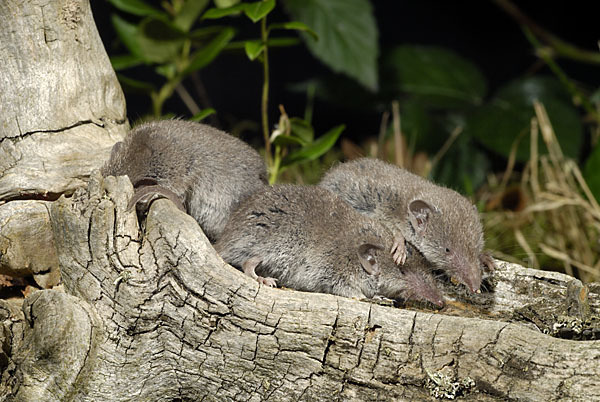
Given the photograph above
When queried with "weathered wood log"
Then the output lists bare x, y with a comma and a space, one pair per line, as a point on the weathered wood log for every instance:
61, 111
155, 314
27, 242
62, 106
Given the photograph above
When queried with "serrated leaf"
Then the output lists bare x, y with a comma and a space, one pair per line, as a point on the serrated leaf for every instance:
159, 40
203, 114
302, 129
127, 32
259, 9
295, 26
435, 75
347, 35
315, 149
207, 53
253, 48
215, 13
124, 61
189, 13
507, 117
592, 172
137, 7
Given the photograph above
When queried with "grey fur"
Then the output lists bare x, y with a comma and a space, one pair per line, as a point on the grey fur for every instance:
308, 239
203, 169
431, 217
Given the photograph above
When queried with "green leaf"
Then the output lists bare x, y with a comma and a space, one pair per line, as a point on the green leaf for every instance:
206, 32
315, 149
343, 92
124, 61
507, 118
168, 70
287, 140
272, 42
225, 3
127, 32
253, 48
464, 167
137, 7
421, 128
203, 114
259, 9
347, 35
302, 129
435, 75
215, 13
532, 88
591, 172
135, 86
207, 54
189, 13
296, 26
159, 40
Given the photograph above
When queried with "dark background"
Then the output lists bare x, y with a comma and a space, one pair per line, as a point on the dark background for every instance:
477, 29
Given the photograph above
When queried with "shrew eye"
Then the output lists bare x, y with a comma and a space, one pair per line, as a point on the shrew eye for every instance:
447, 250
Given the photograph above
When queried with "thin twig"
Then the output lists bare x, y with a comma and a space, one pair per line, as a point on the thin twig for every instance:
187, 99
447, 144
562, 47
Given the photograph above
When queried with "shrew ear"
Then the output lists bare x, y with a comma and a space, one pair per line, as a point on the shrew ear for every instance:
367, 255
419, 214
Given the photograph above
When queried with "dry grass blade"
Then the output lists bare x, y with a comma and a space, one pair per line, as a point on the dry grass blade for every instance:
523, 243
398, 145
572, 220
561, 227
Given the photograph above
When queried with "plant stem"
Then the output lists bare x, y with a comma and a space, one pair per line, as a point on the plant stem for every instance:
571, 87
265, 93
562, 47
187, 99
274, 173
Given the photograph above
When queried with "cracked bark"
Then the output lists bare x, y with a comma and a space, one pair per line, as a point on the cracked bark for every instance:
155, 314
61, 111
62, 106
